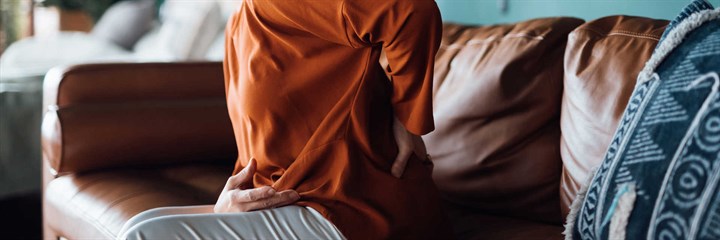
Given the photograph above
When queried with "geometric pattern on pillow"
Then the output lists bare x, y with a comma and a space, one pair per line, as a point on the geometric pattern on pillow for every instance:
660, 178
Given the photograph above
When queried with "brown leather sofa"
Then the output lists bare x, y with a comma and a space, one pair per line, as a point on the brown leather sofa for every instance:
523, 113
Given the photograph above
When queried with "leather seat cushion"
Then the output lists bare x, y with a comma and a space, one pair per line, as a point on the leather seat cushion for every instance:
96, 205
473, 225
602, 61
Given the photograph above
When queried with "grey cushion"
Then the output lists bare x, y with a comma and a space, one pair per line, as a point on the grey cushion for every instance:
125, 22
661, 175
187, 31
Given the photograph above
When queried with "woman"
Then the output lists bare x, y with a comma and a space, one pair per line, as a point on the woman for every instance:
312, 111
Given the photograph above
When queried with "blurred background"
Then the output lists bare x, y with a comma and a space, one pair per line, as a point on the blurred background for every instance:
37, 35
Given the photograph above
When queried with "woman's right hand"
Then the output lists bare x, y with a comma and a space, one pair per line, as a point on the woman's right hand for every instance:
239, 195
407, 144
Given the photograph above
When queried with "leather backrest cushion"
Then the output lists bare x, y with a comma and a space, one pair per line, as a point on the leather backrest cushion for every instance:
602, 61
121, 115
497, 106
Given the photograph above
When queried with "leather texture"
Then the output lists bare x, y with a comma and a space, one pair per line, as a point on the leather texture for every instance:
602, 61
96, 205
135, 115
497, 106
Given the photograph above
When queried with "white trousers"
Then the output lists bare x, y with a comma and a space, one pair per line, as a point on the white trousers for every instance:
199, 222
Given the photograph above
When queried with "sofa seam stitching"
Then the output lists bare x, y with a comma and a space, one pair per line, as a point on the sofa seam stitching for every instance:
492, 39
621, 33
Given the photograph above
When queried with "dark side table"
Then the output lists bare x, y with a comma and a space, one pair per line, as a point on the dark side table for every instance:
20, 119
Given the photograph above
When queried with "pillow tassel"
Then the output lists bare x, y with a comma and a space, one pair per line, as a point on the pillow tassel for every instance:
621, 214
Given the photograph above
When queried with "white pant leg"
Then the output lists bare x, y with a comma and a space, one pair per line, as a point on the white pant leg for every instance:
164, 211
289, 222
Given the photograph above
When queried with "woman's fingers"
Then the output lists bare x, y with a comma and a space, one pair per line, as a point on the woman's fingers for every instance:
278, 200
235, 198
252, 195
398, 167
244, 176
404, 141
261, 198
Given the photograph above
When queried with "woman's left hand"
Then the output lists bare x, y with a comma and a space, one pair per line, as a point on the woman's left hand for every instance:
239, 195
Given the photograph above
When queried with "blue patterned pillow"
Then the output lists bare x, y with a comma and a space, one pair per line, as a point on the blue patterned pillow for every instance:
661, 175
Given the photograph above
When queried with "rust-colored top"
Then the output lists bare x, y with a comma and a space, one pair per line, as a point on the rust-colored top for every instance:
309, 100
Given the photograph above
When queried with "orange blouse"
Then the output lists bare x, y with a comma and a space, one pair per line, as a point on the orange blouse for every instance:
308, 100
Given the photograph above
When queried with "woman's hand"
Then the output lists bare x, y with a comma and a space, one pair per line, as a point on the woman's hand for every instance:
239, 196
407, 143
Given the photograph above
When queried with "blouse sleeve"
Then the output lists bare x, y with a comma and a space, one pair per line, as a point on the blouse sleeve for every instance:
230, 64
409, 32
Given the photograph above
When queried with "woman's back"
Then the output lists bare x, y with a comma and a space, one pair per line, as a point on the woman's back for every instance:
310, 102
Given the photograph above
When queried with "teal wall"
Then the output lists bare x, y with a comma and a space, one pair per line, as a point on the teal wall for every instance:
488, 11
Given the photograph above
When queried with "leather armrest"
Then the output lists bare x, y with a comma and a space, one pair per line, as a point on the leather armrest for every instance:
103, 116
